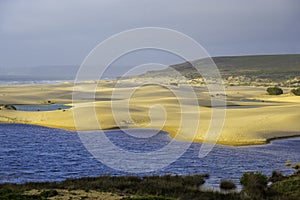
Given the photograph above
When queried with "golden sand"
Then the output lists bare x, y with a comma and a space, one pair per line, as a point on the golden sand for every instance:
156, 107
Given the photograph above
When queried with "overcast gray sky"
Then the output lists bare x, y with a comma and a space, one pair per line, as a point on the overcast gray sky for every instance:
62, 32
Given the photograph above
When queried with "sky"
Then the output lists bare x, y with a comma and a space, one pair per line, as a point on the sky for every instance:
63, 32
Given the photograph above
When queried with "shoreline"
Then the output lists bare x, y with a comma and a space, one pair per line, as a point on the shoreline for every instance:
231, 144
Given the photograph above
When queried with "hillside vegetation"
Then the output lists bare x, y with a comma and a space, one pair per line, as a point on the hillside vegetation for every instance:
258, 70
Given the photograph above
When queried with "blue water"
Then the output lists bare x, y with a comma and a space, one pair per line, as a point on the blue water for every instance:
33, 153
41, 107
4, 80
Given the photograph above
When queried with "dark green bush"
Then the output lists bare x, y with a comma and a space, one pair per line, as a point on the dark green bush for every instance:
274, 91
254, 184
296, 91
276, 176
287, 189
227, 185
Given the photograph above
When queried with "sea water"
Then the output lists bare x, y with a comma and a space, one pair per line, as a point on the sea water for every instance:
34, 153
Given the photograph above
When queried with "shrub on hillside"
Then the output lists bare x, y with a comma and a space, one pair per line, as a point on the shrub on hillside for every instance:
254, 184
276, 176
296, 91
227, 185
274, 91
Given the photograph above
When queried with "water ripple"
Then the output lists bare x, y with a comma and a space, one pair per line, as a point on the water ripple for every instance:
33, 153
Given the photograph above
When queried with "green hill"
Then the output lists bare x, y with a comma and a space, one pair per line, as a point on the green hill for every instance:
270, 68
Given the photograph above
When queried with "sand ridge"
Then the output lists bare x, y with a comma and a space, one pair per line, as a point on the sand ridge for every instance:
156, 107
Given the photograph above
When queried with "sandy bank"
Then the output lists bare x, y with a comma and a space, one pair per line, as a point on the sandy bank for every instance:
157, 107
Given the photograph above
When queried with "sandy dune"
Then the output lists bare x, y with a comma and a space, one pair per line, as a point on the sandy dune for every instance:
158, 107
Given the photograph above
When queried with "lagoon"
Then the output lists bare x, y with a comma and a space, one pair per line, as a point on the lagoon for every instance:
34, 153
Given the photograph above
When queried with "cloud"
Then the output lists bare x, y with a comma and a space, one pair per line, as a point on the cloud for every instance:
68, 29
33, 16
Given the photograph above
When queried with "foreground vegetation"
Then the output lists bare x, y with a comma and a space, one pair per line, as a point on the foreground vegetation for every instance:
255, 186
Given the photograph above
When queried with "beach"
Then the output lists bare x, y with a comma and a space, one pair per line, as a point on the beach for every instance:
252, 116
